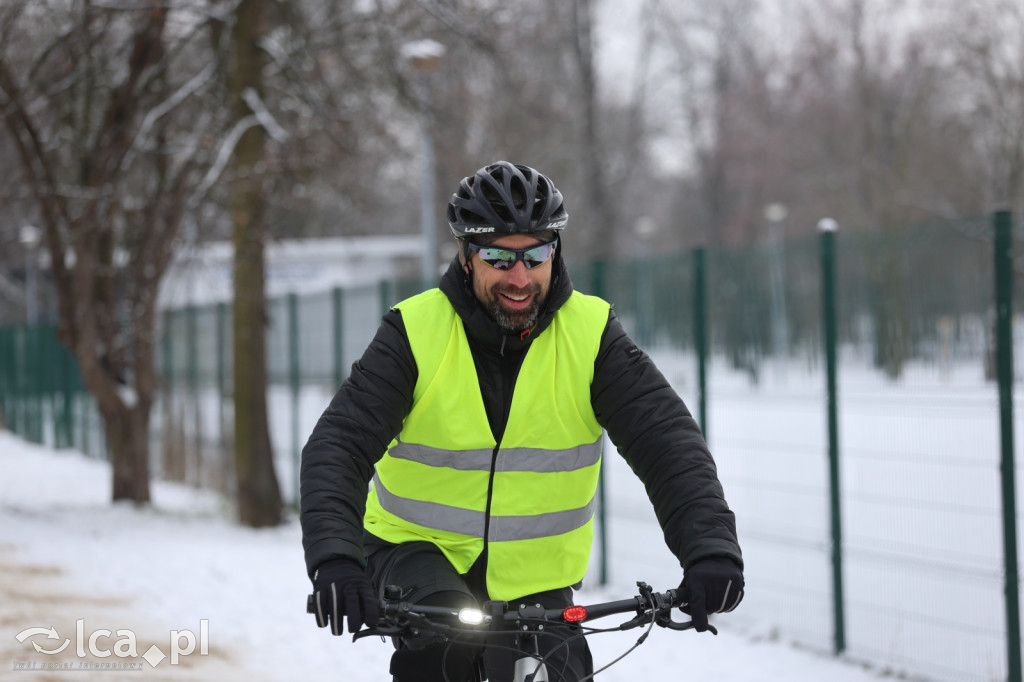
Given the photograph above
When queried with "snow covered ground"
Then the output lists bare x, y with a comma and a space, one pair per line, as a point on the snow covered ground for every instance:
67, 555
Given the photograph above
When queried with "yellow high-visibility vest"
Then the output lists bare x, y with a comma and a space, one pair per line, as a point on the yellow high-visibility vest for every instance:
433, 483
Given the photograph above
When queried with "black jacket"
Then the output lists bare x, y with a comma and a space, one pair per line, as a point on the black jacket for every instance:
643, 415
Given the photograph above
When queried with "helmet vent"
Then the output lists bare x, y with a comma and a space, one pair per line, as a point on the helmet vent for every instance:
507, 198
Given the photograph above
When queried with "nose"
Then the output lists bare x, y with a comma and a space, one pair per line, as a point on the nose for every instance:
517, 275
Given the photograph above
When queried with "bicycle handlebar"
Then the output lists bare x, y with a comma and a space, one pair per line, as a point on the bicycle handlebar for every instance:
397, 617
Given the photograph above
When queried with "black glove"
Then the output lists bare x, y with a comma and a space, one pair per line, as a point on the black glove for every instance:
713, 585
341, 587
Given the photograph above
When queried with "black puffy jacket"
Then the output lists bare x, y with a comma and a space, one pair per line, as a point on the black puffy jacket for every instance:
643, 415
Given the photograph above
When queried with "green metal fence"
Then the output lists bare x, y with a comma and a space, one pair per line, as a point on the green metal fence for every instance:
855, 387
41, 394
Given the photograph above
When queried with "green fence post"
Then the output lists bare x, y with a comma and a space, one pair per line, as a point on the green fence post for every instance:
295, 378
65, 387
61, 398
222, 375
700, 334
8, 377
192, 365
598, 288
1004, 370
36, 382
31, 383
27, 386
86, 404
44, 366
22, 369
827, 228
26, 382
338, 306
44, 379
167, 381
385, 293
5, 376
53, 370
167, 350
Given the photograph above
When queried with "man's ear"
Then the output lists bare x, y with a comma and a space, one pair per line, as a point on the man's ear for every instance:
464, 257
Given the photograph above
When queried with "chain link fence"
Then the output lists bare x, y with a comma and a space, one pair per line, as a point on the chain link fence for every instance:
909, 575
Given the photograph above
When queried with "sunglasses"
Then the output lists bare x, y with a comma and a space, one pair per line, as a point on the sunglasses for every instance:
505, 259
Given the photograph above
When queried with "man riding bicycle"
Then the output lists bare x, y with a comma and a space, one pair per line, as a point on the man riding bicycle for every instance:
477, 414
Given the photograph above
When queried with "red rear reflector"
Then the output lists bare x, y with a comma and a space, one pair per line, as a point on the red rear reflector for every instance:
575, 614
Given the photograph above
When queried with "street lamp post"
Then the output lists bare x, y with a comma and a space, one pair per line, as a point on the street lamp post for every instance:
775, 213
425, 56
645, 229
30, 240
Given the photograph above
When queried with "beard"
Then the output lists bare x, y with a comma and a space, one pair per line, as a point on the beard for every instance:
510, 320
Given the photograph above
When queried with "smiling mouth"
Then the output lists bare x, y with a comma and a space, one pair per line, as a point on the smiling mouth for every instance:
516, 300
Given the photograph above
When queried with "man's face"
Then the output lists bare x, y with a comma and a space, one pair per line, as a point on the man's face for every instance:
513, 298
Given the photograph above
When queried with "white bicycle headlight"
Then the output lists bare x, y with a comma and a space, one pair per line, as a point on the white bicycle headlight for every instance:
471, 616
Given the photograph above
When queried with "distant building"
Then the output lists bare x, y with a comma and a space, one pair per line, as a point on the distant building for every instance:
202, 275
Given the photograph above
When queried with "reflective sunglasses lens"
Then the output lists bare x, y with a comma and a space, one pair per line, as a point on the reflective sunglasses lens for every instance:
498, 258
538, 255
503, 259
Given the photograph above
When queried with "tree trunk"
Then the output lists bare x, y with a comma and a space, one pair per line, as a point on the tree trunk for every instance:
126, 429
125, 426
259, 496
593, 144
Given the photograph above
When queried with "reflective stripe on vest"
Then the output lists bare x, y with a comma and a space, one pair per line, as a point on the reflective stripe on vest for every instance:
468, 522
433, 483
516, 459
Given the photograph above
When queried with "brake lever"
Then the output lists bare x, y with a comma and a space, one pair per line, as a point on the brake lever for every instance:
635, 622
665, 621
377, 632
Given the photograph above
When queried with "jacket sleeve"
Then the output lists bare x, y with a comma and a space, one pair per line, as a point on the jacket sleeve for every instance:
662, 443
351, 436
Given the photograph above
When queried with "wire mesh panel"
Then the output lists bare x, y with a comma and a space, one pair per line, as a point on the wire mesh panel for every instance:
190, 427
767, 424
918, 445
920, 452
316, 338
364, 307
278, 342
653, 299
39, 382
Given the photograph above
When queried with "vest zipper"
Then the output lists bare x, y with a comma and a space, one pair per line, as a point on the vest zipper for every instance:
494, 455
487, 510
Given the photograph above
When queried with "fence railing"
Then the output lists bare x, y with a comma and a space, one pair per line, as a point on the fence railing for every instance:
855, 387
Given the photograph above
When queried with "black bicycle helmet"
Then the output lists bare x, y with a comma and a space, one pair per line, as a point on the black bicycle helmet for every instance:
505, 198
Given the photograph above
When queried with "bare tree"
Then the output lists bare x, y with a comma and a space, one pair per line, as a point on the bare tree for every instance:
986, 38
593, 153
259, 495
92, 96
719, 82
892, 122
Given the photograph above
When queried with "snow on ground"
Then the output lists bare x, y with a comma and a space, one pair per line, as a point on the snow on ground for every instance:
67, 555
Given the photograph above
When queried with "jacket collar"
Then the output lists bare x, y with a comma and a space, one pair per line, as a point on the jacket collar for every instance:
480, 327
